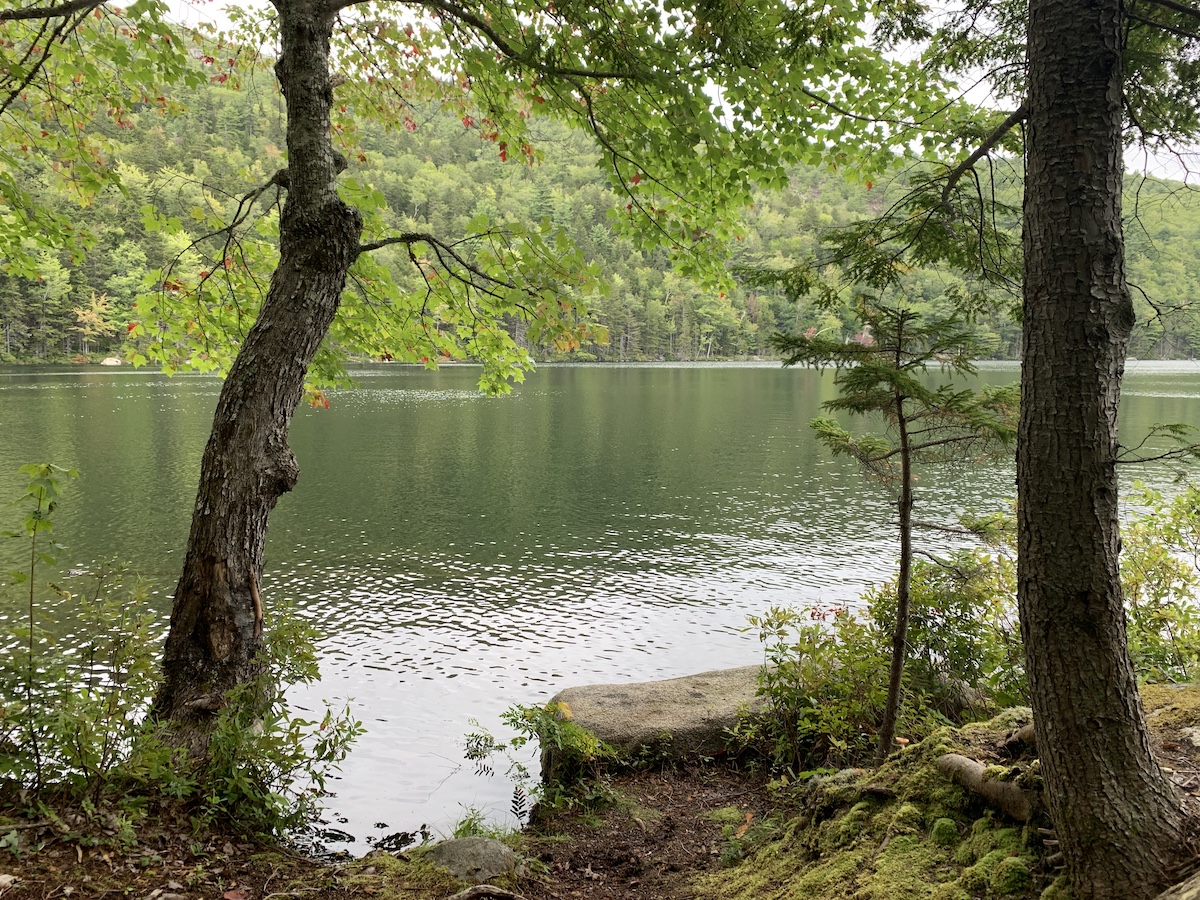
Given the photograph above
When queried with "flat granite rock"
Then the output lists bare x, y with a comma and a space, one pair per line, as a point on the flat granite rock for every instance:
679, 718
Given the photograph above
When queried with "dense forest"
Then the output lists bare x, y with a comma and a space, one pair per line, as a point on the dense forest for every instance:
437, 174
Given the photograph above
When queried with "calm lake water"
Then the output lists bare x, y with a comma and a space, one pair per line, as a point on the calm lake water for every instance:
462, 554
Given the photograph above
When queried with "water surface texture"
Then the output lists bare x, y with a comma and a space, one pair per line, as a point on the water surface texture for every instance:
463, 553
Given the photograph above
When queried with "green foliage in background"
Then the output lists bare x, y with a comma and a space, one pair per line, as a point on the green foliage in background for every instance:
179, 172
78, 672
1160, 574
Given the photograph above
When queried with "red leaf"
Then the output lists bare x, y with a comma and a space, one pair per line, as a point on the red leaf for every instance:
132, 325
237, 894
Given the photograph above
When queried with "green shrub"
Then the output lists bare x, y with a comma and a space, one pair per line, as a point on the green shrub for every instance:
824, 683
963, 629
574, 762
266, 769
74, 698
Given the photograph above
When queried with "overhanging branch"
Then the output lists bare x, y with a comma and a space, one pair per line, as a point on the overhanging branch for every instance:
57, 11
997, 135
1163, 26
1178, 7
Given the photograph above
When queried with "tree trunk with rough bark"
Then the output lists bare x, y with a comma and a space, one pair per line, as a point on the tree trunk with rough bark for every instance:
216, 620
1119, 821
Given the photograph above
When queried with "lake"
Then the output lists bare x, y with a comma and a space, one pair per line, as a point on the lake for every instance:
463, 553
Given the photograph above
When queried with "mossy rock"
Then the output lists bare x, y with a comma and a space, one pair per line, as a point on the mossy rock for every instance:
944, 832
394, 879
949, 892
1011, 876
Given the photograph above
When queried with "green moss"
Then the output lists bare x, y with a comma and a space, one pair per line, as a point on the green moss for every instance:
841, 832
978, 878
1031, 778
907, 819
1009, 720
904, 870
949, 892
727, 815
1171, 705
387, 878
830, 877
1011, 876
974, 880
1060, 889
845, 847
944, 832
631, 809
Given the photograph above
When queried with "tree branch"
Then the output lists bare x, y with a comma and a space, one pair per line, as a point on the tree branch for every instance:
1178, 7
956, 174
1163, 26
516, 54
441, 248
62, 10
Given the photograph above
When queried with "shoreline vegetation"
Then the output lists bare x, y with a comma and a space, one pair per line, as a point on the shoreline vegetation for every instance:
701, 831
92, 804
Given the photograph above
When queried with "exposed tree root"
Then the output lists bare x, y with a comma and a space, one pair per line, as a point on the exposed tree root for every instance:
485, 890
1020, 741
1005, 796
1188, 890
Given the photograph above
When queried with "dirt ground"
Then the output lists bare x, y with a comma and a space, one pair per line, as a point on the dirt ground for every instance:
658, 833
665, 828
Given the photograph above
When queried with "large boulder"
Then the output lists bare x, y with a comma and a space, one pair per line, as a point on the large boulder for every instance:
678, 719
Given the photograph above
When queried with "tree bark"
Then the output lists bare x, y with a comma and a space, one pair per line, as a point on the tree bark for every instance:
216, 619
1119, 821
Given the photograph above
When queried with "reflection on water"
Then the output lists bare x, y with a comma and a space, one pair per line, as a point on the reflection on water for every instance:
464, 553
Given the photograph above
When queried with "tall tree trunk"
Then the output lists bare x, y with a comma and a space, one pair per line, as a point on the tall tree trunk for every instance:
1118, 819
216, 620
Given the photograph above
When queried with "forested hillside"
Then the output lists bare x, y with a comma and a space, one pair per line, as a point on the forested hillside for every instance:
439, 173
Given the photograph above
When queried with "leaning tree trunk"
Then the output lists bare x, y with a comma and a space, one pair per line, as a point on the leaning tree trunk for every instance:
1119, 821
216, 620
